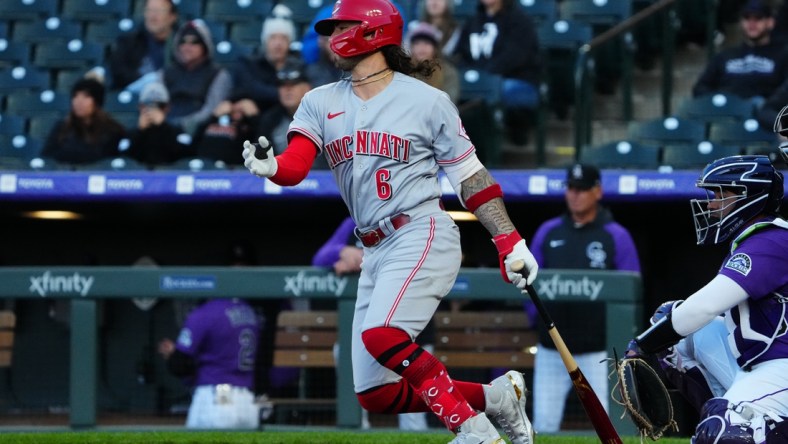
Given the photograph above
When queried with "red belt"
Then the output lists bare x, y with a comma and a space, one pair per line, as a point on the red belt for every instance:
373, 237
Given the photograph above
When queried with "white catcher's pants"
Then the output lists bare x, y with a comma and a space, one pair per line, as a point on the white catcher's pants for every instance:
552, 385
222, 407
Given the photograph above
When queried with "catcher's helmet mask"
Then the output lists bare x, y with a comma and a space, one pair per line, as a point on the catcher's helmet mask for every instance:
379, 24
758, 189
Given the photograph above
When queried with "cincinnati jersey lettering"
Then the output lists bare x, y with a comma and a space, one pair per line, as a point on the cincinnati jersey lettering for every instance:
368, 143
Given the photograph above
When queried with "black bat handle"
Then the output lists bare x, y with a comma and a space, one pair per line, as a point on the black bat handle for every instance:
543, 313
260, 153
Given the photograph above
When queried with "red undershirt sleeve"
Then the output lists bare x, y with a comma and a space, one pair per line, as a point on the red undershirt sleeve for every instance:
295, 162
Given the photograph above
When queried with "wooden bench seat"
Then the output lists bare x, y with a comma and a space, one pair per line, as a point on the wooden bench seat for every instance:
7, 325
466, 339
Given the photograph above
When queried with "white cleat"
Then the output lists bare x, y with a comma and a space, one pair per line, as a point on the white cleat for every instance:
505, 398
477, 430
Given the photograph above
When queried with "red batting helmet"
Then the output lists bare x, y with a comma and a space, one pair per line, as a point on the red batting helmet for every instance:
380, 25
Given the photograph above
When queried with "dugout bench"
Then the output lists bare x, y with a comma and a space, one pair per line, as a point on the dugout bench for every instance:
83, 286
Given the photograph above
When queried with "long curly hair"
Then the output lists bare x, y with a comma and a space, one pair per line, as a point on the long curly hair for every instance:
400, 61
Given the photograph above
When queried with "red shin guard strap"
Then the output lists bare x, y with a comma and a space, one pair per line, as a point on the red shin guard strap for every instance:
446, 401
294, 164
483, 196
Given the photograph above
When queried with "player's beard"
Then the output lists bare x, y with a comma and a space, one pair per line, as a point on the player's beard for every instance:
346, 63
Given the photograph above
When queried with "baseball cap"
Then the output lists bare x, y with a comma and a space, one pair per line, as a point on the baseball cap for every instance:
583, 177
154, 93
425, 31
293, 71
758, 8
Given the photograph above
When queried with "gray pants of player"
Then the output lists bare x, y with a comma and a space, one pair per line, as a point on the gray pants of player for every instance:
403, 279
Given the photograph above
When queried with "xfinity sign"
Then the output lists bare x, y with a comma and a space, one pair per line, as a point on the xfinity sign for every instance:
584, 288
301, 283
49, 284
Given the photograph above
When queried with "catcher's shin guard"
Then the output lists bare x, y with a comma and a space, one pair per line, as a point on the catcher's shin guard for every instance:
721, 425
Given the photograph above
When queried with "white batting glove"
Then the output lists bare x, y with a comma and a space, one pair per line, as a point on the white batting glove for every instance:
261, 167
518, 265
525, 263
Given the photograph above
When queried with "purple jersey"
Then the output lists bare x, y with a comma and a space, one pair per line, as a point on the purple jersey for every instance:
758, 262
221, 336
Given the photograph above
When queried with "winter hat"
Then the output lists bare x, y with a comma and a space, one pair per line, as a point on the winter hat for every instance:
279, 22
154, 93
91, 87
425, 31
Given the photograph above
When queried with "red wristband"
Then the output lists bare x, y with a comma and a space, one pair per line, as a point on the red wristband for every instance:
505, 244
483, 197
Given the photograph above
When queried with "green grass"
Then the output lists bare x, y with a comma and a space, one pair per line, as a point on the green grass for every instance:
266, 437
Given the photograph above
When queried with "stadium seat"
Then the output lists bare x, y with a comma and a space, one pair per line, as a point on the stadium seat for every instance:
748, 135
39, 126
716, 108
50, 30
120, 102
13, 53
622, 154
218, 29
96, 10
559, 42
540, 11
187, 9
12, 125
194, 164
113, 164
233, 11
21, 77
246, 33
4, 30
74, 54
66, 78
477, 85
464, 9
26, 10
304, 11
228, 53
670, 130
695, 157
32, 103
613, 59
107, 32
19, 146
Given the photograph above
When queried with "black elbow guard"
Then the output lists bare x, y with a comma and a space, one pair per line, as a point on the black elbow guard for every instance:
659, 337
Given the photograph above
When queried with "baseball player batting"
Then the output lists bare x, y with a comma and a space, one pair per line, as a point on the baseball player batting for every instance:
385, 135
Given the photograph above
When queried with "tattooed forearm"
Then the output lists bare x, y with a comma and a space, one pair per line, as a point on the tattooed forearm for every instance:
492, 214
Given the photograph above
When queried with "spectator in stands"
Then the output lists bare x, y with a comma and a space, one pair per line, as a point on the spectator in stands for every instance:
155, 141
139, 54
88, 133
255, 80
310, 48
440, 13
196, 83
293, 83
323, 71
585, 237
755, 68
215, 354
230, 124
423, 41
501, 39
343, 253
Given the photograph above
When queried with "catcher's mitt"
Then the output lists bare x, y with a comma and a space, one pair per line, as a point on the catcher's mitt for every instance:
645, 397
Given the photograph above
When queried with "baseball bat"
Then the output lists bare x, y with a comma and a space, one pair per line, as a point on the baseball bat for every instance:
593, 407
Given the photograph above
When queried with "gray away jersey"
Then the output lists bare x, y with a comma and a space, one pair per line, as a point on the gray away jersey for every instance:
384, 152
